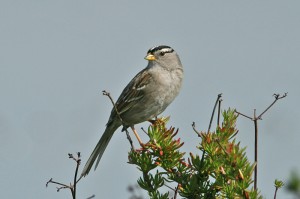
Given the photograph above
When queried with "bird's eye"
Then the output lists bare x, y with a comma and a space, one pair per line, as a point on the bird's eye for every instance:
162, 53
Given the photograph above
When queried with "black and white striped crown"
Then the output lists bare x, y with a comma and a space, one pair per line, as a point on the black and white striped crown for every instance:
163, 48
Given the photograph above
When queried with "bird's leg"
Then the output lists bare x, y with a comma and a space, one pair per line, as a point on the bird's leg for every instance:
137, 136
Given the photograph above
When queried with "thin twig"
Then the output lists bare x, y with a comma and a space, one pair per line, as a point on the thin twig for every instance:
169, 187
92, 196
72, 187
213, 113
72, 192
78, 154
255, 149
58, 183
219, 112
277, 97
211, 119
144, 130
234, 135
194, 128
78, 160
129, 139
218, 142
246, 116
255, 121
278, 184
104, 92
176, 191
275, 195
120, 118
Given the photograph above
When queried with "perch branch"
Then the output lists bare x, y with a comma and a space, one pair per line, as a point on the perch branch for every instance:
120, 118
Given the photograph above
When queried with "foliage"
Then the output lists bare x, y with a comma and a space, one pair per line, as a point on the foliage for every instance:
222, 171
293, 184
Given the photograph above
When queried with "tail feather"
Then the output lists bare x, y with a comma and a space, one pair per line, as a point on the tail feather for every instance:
99, 149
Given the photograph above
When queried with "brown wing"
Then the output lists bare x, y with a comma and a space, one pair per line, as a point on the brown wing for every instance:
132, 93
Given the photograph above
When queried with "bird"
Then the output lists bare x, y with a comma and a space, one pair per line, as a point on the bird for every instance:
146, 96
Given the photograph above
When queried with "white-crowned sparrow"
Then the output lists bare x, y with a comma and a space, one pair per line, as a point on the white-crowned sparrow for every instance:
146, 96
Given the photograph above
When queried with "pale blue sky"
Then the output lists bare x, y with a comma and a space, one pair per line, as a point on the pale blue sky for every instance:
57, 56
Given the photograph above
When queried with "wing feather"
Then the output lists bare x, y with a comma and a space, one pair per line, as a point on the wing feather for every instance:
132, 93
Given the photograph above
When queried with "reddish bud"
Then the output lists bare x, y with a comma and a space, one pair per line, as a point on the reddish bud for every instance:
246, 194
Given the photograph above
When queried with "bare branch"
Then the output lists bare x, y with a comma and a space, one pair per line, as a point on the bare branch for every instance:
255, 119
213, 113
194, 128
255, 151
169, 187
129, 139
104, 92
58, 183
124, 126
234, 135
277, 97
246, 116
92, 196
78, 161
275, 194
176, 191
72, 187
219, 112
144, 130
211, 119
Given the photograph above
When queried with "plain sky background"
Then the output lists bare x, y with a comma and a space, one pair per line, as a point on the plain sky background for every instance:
57, 56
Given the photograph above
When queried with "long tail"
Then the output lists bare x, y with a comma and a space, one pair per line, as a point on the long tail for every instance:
99, 149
